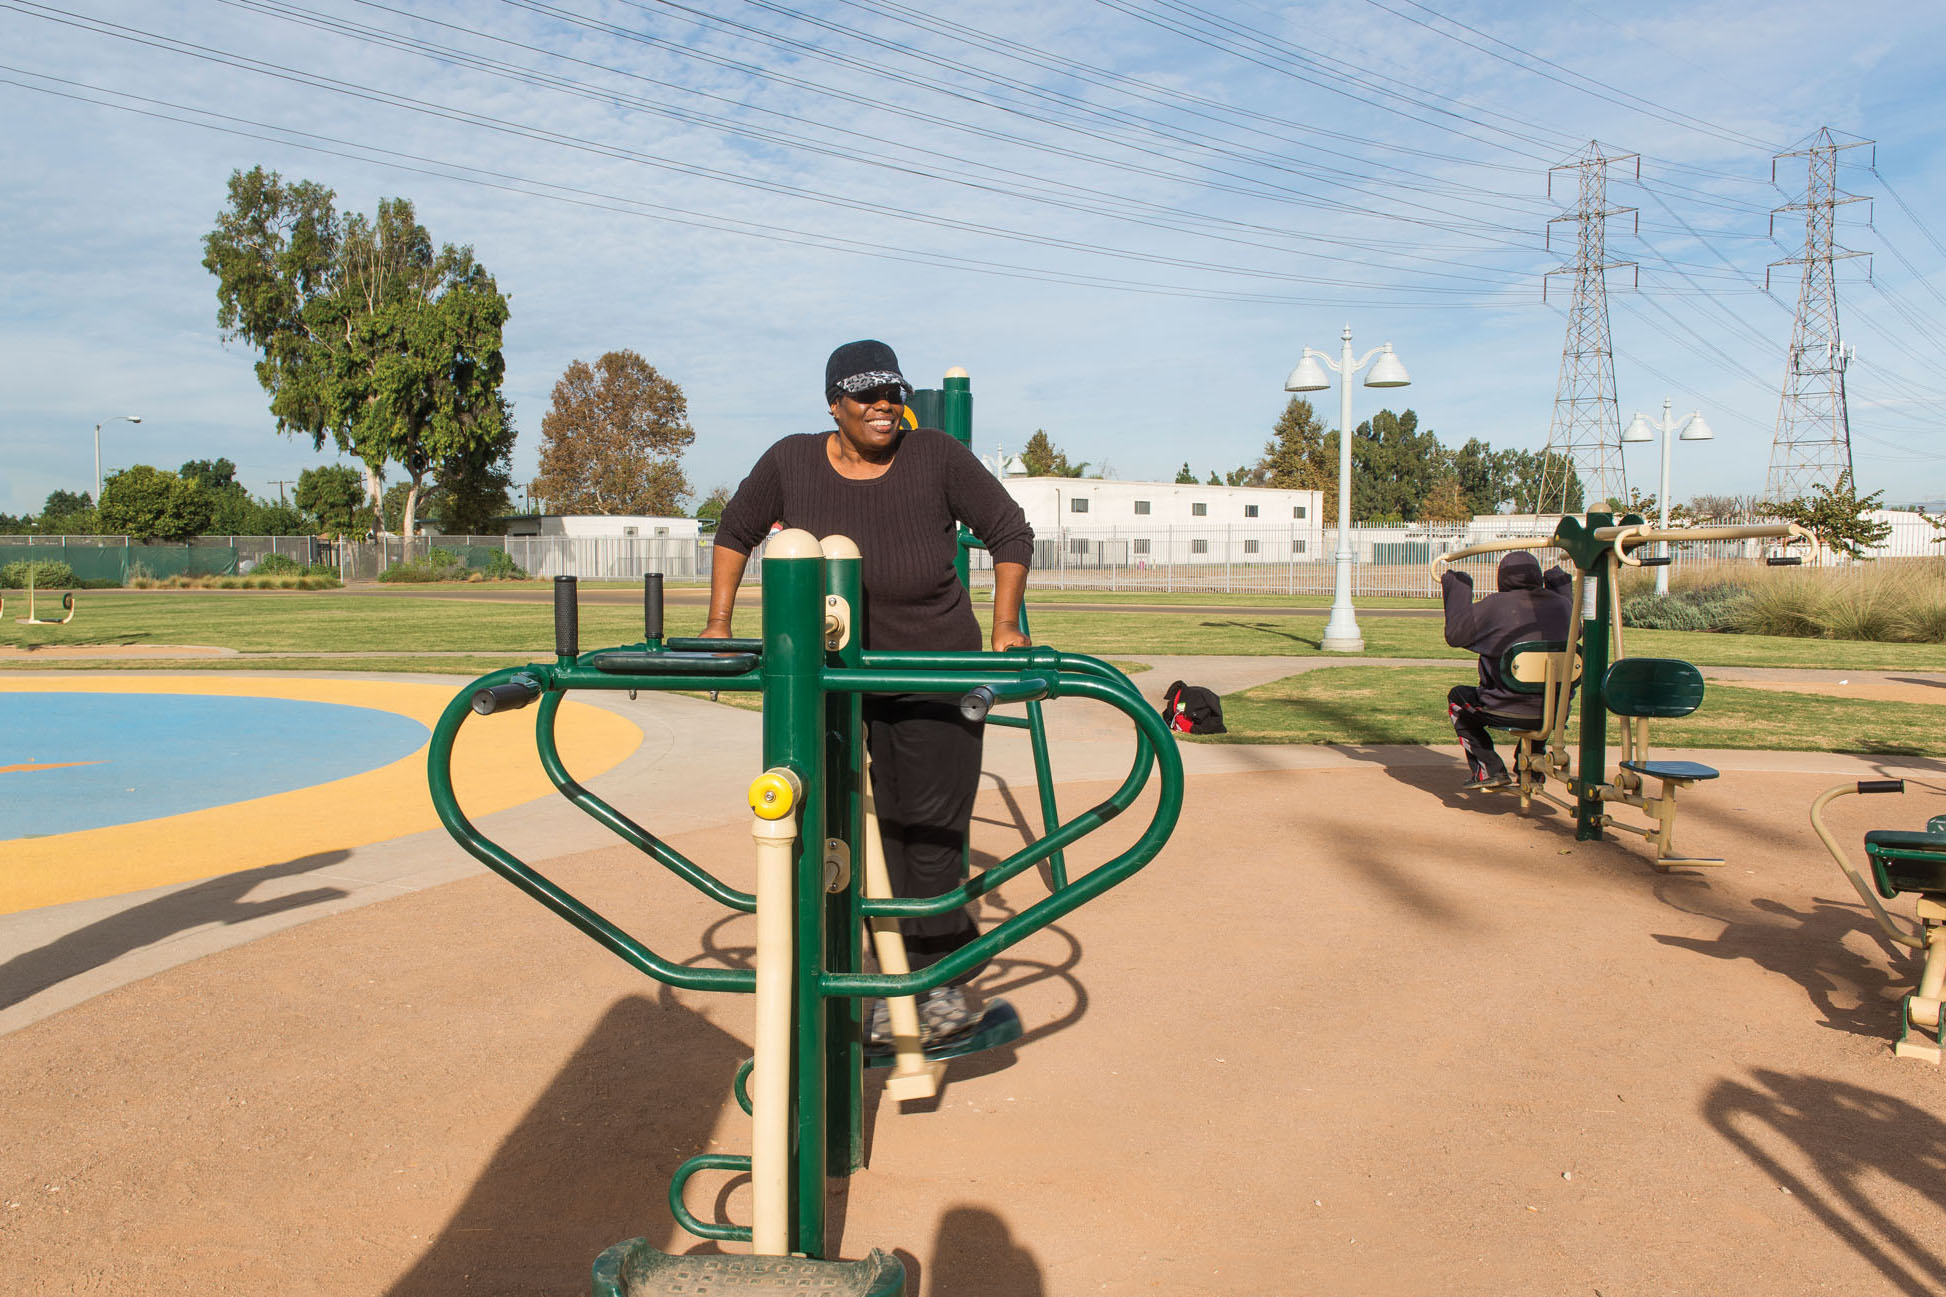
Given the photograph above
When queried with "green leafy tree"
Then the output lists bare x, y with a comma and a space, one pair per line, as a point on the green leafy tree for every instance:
368, 336
153, 504
711, 509
1446, 502
1184, 477
1043, 460
474, 494
1299, 456
334, 496
66, 513
1835, 514
233, 512
1526, 470
1215, 478
613, 441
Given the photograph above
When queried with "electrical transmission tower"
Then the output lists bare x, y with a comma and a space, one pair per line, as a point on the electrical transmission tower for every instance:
1813, 442
1585, 435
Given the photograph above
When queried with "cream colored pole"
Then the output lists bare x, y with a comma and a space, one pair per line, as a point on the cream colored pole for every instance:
914, 1076
775, 829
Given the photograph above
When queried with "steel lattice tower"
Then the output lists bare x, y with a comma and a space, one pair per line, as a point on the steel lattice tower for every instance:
1813, 442
1585, 435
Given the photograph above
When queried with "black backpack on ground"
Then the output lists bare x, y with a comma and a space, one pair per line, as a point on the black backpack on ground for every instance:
1192, 709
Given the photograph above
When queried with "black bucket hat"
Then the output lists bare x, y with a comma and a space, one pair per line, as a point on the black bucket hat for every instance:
861, 366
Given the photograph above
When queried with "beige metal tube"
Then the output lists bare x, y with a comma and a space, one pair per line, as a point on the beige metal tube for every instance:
1495, 547
770, 1121
1865, 893
913, 1076
1641, 532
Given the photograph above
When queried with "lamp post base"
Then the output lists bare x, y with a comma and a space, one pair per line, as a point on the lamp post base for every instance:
1331, 644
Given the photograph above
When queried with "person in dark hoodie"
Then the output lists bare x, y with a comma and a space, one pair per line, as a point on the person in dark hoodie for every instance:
1529, 606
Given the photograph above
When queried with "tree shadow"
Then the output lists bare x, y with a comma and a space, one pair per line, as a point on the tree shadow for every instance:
588, 1163
1855, 1141
1265, 628
213, 901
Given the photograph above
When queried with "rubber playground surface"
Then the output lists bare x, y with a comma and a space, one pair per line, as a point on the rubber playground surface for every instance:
1354, 1032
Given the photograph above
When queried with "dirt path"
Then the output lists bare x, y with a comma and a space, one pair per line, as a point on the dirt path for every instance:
1350, 1035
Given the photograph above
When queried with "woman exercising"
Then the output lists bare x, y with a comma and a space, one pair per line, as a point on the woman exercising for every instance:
900, 494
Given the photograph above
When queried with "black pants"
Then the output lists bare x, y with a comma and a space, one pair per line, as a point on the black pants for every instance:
925, 773
1470, 722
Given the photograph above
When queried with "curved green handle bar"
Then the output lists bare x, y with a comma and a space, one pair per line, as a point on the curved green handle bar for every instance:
641, 662
621, 825
439, 774
1075, 894
692, 644
706, 1229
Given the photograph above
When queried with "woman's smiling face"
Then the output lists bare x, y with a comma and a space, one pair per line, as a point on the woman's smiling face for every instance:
869, 422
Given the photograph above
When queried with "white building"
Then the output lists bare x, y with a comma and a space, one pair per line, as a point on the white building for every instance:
604, 526
1097, 522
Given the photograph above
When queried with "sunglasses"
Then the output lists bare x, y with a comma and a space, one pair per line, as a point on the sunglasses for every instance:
890, 393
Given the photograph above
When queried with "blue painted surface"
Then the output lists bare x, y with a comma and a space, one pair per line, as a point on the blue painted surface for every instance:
162, 754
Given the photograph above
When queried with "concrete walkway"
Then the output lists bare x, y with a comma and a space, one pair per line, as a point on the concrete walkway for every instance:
691, 773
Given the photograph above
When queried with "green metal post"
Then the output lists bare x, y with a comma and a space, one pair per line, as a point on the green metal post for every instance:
793, 729
956, 421
844, 810
1597, 600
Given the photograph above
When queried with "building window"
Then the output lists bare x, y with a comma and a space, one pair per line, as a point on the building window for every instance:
1249, 510
1199, 547
1076, 545
630, 531
1199, 510
1249, 546
1141, 545
661, 531
1078, 505
1297, 547
1142, 506
1297, 511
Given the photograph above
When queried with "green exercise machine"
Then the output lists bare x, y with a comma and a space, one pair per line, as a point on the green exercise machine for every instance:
1904, 863
33, 617
811, 819
1634, 690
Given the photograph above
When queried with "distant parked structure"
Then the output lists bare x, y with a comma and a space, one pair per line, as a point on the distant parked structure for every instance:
1085, 521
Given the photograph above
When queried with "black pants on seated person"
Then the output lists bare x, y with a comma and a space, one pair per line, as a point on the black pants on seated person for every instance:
1470, 722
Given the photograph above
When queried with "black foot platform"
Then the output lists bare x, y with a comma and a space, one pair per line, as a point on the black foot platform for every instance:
635, 1269
999, 1025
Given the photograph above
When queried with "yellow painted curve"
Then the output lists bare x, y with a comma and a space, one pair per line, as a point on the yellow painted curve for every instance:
494, 766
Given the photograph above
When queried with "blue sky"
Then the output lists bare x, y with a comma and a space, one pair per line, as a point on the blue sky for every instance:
1126, 218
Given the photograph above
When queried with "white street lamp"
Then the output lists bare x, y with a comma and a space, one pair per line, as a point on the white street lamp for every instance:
1640, 429
129, 418
1341, 634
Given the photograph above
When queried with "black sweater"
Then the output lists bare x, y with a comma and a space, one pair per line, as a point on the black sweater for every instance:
905, 523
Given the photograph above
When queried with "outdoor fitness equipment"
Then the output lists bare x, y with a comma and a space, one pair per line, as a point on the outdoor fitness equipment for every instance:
1635, 690
33, 618
810, 820
1904, 862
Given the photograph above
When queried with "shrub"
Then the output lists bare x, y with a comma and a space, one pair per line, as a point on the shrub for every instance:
1699, 608
500, 566
277, 565
415, 572
48, 573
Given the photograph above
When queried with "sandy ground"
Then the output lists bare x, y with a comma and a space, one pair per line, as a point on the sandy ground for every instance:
1353, 1033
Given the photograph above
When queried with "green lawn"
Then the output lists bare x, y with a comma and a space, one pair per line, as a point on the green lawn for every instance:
379, 628
1370, 705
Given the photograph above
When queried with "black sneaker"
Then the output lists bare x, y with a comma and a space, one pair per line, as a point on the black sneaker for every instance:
1487, 783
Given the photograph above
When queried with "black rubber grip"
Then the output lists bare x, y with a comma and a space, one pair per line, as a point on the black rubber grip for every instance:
511, 696
1783, 560
1662, 560
1881, 785
652, 605
567, 618
978, 702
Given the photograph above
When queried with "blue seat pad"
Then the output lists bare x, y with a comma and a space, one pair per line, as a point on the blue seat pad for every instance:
1672, 769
